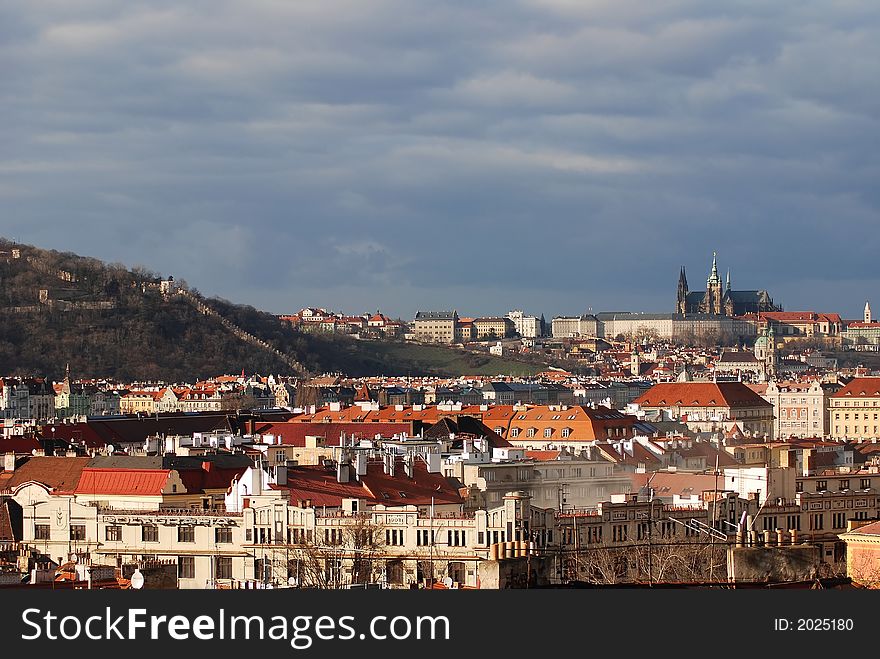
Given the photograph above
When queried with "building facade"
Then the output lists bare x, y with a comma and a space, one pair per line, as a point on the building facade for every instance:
435, 326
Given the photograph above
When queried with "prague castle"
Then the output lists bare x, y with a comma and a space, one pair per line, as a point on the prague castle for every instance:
718, 298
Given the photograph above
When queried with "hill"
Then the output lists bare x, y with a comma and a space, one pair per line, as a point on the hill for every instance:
108, 321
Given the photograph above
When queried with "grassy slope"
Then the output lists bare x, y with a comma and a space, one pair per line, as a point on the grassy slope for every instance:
396, 358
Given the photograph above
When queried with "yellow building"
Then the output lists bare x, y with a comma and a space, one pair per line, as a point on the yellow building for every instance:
855, 410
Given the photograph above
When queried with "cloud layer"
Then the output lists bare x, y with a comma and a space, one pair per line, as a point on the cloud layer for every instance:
550, 155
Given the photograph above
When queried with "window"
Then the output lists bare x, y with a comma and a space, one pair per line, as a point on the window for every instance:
530, 432
423, 537
186, 567
280, 456
548, 432
514, 432
816, 521
844, 485
455, 538
838, 520
794, 522
223, 567
149, 533
618, 533
821, 486
41, 532
865, 483
186, 534
566, 432
799, 486
394, 537
77, 531
223, 534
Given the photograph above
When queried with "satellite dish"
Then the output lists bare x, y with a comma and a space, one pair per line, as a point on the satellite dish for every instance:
74, 558
447, 581
110, 448
137, 580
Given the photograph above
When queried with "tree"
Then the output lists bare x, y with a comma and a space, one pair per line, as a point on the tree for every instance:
695, 559
352, 553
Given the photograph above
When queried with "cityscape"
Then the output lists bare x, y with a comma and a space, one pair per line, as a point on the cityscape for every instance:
344, 308
728, 443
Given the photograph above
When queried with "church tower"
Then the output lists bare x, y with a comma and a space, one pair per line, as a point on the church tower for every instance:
771, 354
867, 312
714, 290
681, 307
635, 361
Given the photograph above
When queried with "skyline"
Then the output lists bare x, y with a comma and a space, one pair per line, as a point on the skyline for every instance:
544, 155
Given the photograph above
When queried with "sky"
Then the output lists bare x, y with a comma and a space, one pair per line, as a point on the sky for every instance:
554, 156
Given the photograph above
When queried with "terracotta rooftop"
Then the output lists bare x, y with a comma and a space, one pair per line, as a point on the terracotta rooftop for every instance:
60, 474
701, 394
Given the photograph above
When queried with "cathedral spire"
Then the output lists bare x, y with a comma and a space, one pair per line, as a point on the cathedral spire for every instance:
713, 276
728, 280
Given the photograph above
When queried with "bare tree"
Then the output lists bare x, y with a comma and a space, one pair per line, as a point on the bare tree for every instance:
687, 560
352, 553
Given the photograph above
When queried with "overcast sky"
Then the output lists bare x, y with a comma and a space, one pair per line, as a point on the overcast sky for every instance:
548, 155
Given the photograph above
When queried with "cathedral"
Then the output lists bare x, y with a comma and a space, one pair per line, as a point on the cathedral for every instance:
718, 298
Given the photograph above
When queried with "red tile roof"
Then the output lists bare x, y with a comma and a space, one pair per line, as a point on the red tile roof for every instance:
319, 484
145, 482
869, 387
60, 474
701, 394
19, 445
294, 433
868, 529
669, 483
543, 456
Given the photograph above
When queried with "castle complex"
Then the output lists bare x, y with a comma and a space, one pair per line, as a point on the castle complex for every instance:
718, 298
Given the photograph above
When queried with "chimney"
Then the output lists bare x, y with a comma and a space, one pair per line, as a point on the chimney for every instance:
281, 475
342, 471
257, 478
434, 460
408, 466
9, 462
360, 464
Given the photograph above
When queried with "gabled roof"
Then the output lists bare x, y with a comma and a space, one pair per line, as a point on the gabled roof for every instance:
701, 394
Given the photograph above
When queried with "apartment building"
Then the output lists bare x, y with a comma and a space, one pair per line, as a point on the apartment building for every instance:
435, 326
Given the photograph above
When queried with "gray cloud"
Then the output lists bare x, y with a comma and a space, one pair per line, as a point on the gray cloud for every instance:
550, 155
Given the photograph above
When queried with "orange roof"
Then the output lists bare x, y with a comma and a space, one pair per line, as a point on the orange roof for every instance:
860, 387
543, 456
701, 394
146, 482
